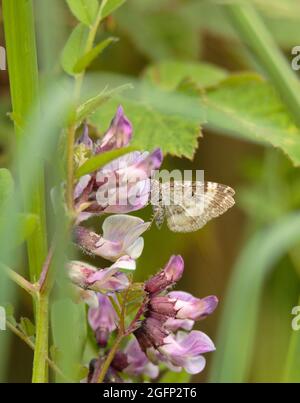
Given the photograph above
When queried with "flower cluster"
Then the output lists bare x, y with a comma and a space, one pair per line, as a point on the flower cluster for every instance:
161, 328
168, 312
121, 186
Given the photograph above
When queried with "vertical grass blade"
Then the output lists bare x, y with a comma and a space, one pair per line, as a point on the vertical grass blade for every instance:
292, 368
235, 343
23, 78
253, 31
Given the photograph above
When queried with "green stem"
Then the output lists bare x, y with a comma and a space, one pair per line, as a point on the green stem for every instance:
23, 75
72, 127
40, 373
89, 46
109, 358
253, 31
30, 344
20, 280
121, 334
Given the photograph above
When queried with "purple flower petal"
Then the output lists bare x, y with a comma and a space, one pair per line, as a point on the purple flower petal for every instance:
138, 361
185, 350
85, 138
121, 236
174, 324
118, 135
102, 319
189, 307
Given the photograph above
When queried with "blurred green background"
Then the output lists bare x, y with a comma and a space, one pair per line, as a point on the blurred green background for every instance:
250, 256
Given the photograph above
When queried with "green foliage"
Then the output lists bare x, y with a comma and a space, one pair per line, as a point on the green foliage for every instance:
237, 331
154, 128
69, 324
100, 160
10, 314
84, 10
243, 105
74, 48
292, 368
168, 74
26, 223
175, 377
157, 39
87, 108
27, 327
6, 188
88, 57
249, 107
109, 6
272, 189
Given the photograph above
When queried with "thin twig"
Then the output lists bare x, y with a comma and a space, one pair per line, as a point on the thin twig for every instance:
20, 280
117, 342
29, 343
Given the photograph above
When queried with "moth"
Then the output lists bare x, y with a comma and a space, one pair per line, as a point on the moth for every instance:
188, 206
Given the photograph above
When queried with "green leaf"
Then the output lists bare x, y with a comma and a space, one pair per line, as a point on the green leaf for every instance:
248, 107
100, 160
27, 327
176, 377
82, 373
10, 314
109, 6
84, 10
242, 105
6, 187
159, 119
92, 104
89, 57
27, 224
168, 74
163, 33
74, 48
69, 334
235, 343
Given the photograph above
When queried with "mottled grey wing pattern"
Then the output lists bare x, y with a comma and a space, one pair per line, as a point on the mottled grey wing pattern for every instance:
205, 201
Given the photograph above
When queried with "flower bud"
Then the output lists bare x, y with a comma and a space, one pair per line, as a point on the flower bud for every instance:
167, 277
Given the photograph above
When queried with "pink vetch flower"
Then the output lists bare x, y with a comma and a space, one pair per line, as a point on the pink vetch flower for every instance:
187, 308
106, 280
103, 319
121, 186
166, 313
118, 135
185, 351
121, 236
138, 362
166, 277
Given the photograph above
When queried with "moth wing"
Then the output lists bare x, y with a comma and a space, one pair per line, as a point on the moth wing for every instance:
202, 202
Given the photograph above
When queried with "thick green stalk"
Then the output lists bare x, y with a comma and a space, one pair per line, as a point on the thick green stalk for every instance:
40, 370
23, 76
253, 31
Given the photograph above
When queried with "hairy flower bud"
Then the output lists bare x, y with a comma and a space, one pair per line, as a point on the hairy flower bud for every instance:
167, 277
